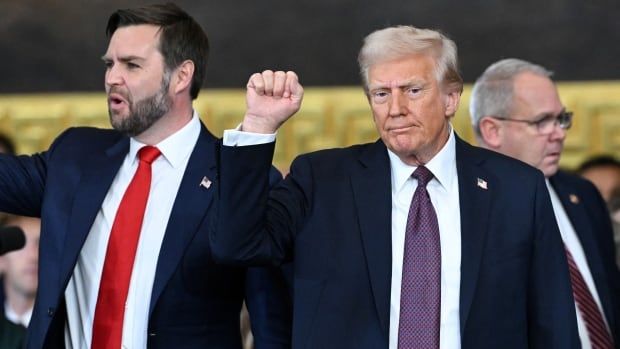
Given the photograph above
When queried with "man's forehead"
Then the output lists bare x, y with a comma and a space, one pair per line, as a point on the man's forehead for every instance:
135, 36
143, 29
535, 94
402, 71
134, 40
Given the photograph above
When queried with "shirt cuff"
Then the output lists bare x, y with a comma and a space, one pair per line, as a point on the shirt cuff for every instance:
236, 138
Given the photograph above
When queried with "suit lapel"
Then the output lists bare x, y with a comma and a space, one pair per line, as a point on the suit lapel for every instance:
475, 196
583, 228
189, 211
98, 172
372, 193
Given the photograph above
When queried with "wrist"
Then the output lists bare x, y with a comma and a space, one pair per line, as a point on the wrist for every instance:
258, 125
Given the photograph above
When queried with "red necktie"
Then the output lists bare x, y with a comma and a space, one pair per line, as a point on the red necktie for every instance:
420, 295
590, 313
120, 255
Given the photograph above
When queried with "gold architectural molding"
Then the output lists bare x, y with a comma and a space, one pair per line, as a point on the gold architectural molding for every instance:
330, 117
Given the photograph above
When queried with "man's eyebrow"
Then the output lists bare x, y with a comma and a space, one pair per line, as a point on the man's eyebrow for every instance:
123, 59
549, 114
399, 84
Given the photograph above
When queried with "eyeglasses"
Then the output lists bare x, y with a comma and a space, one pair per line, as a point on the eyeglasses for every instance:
546, 124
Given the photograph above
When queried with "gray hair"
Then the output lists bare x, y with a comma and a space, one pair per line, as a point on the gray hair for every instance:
492, 94
400, 41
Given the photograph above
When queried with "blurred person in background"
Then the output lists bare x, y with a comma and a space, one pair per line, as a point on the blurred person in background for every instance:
7, 146
604, 172
19, 282
614, 210
18, 273
516, 110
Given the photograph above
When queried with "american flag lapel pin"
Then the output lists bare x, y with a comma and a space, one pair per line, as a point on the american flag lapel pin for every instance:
573, 198
205, 182
481, 183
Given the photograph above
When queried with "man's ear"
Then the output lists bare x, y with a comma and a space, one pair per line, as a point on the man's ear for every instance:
182, 76
452, 102
491, 132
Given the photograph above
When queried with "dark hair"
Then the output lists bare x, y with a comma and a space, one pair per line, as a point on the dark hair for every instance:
181, 37
7, 144
598, 161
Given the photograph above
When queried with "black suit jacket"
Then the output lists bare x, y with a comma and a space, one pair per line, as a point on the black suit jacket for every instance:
332, 217
11, 335
588, 214
195, 303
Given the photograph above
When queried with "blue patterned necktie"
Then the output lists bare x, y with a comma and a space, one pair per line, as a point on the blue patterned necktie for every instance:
420, 297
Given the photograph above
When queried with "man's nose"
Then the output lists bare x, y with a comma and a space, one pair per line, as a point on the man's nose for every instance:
398, 103
113, 76
559, 132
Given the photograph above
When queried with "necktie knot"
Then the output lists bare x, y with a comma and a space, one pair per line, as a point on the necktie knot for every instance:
423, 175
148, 154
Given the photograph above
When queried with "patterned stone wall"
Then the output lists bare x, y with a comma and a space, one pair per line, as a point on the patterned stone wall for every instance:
330, 117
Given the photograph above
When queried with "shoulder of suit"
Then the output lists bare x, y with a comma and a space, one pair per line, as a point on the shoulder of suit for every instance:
573, 181
352, 151
494, 161
86, 138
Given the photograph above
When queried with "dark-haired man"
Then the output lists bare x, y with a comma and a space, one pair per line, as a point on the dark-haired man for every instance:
19, 283
604, 172
125, 259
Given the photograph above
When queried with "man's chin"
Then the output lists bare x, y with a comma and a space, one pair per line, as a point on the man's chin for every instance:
550, 169
118, 120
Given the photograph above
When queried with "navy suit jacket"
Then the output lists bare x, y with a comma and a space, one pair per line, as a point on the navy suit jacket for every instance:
195, 303
588, 214
332, 217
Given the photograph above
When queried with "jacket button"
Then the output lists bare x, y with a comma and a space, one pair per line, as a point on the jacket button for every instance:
50, 311
152, 334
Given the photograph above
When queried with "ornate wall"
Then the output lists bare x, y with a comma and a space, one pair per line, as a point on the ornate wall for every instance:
330, 117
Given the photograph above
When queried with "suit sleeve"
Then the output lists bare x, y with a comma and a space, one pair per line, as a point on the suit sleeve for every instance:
253, 225
551, 315
22, 180
22, 183
605, 240
270, 307
268, 299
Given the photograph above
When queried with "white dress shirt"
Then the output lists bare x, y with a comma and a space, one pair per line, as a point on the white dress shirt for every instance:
572, 243
444, 193
443, 190
11, 315
83, 288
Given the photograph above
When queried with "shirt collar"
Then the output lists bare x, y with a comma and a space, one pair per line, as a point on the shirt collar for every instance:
176, 147
442, 165
15, 318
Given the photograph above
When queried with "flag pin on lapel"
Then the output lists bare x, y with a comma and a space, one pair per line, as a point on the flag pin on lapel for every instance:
481, 183
205, 182
573, 198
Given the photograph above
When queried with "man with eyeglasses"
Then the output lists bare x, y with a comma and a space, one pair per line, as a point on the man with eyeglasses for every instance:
516, 110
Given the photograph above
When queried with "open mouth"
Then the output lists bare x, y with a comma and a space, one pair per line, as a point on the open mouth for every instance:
116, 101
